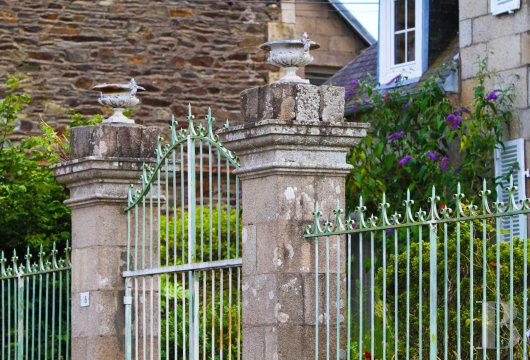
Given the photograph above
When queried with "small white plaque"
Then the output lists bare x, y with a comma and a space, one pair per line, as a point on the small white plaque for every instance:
85, 299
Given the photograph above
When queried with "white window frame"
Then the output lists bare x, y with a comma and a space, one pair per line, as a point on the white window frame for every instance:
387, 70
502, 6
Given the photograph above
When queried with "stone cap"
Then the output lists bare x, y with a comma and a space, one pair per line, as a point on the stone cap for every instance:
251, 136
113, 140
289, 101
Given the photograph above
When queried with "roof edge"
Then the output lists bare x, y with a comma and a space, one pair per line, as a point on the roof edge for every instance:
352, 21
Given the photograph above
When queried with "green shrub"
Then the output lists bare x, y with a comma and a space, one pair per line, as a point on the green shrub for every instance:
173, 289
419, 139
465, 281
31, 200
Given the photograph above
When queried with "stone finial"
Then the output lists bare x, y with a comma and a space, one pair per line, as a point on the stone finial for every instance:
119, 97
290, 55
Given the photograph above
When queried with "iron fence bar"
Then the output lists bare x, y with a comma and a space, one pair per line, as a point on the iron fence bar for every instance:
420, 292
128, 318
396, 328
458, 302
471, 297
484, 291
229, 312
20, 318
26, 315
201, 199
33, 318
159, 244
221, 342
208, 265
60, 312
407, 312
372, 293
446, 310
316, 299
238, 312
166, 169
348, 296
511, 342
433, 292
525, 297
2, 284
337, 300
213, 314
327, 301
384, 293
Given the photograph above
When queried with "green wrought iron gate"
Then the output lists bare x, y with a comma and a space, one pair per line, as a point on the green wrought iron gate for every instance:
183, 274
35, 306
449, 283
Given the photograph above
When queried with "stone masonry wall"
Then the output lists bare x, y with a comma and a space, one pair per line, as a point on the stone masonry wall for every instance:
507, 37
181, 51
339, 44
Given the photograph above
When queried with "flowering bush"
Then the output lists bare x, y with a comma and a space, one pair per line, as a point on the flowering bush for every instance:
419, 138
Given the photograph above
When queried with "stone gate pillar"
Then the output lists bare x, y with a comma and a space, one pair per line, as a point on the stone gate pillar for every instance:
105, 160
292, 151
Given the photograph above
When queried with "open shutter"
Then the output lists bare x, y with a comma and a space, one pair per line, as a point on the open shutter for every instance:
504, 164
502, 6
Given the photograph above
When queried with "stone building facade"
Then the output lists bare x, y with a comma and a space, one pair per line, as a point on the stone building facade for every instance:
201, 53
505, 39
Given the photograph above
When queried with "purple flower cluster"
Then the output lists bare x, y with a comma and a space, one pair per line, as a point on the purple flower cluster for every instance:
492, 95
454, 120
443, 163
349, 91
432, 155
396, 135
407, 105
405, 160
354, 84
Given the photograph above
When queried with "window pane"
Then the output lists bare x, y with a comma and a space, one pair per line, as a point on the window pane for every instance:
411, 46
411, 15
399, 14
399, 47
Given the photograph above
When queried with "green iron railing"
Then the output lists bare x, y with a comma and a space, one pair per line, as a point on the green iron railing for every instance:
442, 284
183, 275
35, 307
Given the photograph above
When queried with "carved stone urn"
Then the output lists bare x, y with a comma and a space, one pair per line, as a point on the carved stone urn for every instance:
119, 97
290, 55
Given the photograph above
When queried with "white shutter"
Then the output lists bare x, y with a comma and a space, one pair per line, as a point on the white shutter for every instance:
504, 162
502, 6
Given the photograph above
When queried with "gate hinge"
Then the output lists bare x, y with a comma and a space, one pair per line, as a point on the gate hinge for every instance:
127, 300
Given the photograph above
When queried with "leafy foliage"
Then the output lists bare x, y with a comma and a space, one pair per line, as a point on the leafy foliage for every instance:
31, 200
175, 291
420, 139
483, 236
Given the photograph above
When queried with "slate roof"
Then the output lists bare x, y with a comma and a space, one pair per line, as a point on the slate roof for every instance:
362, 66
352, 21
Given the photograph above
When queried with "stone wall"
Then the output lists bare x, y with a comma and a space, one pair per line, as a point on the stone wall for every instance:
339, 43
507, 37
181, 51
